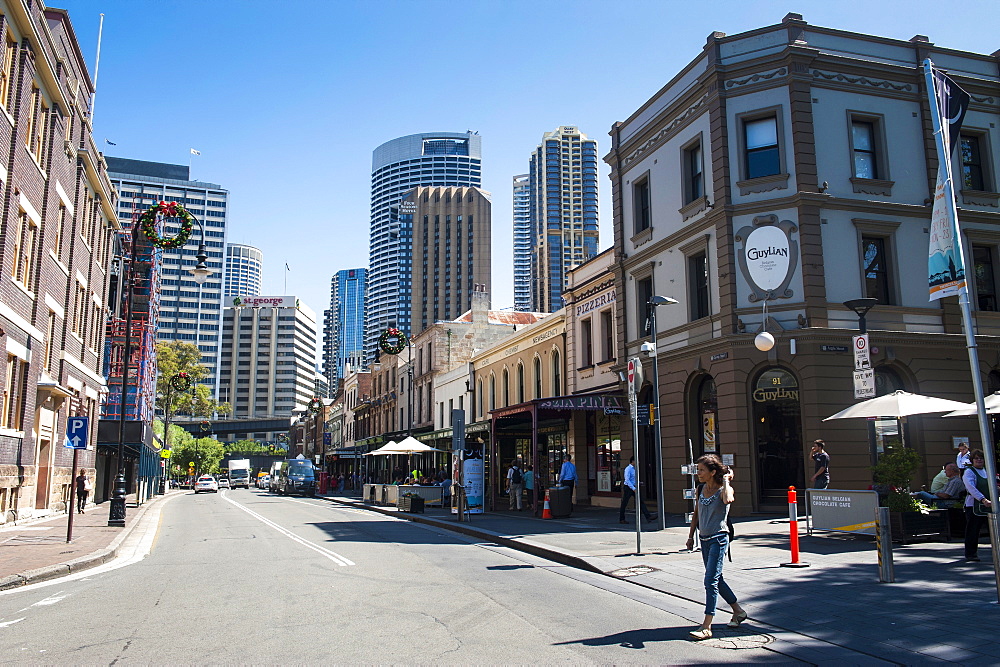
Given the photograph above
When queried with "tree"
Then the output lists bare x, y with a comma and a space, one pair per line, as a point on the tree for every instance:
204, 453
172, 359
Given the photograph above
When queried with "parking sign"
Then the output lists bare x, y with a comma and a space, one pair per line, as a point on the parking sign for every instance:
76, 432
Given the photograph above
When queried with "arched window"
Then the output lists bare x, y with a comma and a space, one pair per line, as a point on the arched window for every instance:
556, 373
479, 399
493, 392
520, 382
538, 377
506, 387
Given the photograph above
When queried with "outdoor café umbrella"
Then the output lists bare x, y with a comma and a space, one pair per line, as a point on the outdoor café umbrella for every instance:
384, 450
898, 404
409, 446
992, 403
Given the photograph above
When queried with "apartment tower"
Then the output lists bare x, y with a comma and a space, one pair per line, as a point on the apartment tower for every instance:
344, 326
522, 243
243, 269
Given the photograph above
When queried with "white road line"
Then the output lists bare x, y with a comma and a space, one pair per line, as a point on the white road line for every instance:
336, 558
52, 599
9, 623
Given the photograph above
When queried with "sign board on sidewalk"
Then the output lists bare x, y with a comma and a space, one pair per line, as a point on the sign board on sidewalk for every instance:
862, 356
842, 511
76, 432
864, 383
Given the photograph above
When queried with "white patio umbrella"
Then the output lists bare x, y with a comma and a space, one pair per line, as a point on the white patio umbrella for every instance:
384, 450
992, 403
898, 404
409, 446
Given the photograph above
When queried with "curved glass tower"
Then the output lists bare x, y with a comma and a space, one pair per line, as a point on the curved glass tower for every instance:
398, 166
243, 267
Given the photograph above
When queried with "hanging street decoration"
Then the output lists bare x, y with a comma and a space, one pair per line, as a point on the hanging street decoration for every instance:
181, 381
315, 404
385, 341
205, 424
147, 223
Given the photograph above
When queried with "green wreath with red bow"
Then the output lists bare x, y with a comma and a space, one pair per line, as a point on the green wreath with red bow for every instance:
315, 405
388, 347
147, 223
181, 381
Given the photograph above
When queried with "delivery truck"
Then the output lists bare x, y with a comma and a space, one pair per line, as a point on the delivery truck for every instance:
239, 473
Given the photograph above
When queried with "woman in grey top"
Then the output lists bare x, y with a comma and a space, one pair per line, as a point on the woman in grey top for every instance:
711, 512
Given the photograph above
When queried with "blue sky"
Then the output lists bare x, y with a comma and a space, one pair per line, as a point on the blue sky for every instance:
287, 107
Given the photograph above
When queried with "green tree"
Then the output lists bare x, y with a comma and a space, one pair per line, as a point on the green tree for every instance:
205, 453
179, 357
248, 447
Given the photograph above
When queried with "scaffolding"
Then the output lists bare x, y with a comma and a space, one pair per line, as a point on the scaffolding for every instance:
140, 394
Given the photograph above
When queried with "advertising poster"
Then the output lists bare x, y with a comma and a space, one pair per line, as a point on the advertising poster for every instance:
709, 422
472, 476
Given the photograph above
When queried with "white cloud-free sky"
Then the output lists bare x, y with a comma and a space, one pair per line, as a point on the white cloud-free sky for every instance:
286, 100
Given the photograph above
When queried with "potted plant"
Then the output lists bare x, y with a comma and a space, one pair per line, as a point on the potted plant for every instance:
411, 502
909, 517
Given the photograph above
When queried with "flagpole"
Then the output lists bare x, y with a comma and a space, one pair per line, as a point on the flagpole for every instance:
97, 67
985, 432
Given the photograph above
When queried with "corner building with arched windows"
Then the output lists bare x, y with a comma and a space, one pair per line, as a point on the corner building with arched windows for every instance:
783, 172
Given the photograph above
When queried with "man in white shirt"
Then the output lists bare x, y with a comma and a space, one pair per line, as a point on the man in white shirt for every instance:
629, 489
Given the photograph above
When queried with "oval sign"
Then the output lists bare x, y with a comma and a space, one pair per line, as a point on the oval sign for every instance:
767, 255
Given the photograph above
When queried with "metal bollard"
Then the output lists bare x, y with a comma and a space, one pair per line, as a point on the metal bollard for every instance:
883, 537
793, 522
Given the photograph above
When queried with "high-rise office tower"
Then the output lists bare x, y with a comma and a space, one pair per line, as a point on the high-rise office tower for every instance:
451, 251
188, 311
522, 243
344, 325
430, 159
243, 267
268, 359
563, 208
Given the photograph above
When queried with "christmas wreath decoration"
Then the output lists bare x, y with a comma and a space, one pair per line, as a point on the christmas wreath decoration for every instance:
315, 404
392, 348
147, 223
205, 424
181, 381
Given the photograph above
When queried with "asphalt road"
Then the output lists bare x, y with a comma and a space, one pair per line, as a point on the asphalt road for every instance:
248, 577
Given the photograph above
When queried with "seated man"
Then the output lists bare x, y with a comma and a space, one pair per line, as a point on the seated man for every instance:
951, 492
940, 480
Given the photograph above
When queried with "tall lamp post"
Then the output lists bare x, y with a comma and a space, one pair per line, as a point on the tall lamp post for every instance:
655, 301
200, 272
861, 308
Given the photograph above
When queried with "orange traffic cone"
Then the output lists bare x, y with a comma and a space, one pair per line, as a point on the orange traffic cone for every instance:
546, 512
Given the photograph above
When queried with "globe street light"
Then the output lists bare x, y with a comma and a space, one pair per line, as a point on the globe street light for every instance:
655, 301
201, 271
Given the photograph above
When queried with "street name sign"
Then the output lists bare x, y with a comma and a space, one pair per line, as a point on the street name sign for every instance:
76, 432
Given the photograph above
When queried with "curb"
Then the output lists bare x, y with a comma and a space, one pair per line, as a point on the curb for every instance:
99, 557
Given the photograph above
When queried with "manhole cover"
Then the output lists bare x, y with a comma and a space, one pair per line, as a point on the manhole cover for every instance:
633, 571
737, 639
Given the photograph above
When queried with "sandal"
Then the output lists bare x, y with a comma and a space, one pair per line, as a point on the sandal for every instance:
700, 634
737, 619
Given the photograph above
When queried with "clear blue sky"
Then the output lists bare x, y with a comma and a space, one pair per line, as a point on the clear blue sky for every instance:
286, 100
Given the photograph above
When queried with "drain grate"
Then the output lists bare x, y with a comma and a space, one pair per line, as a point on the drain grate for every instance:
633, 571
737, 639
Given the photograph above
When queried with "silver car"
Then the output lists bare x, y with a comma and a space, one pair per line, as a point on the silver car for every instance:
206, 483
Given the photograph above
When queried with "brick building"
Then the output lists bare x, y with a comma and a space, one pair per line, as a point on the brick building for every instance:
57, 222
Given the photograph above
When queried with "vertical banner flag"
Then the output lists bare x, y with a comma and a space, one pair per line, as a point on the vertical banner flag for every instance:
945, 263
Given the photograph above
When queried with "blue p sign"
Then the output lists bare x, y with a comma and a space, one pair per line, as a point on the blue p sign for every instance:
76, 432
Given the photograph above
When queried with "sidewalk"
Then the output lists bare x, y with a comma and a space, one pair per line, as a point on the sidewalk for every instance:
36, 549
930, 614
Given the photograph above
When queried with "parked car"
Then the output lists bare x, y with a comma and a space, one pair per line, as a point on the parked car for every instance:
206, 483
224, 483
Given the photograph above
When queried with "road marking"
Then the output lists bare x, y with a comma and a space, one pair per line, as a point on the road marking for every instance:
52, 599
9, 623
336, 558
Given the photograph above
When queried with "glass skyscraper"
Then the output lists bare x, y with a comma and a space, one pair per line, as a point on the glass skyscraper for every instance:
398, 166
522, 243
188, 311
344, 325
563, 210
243, 268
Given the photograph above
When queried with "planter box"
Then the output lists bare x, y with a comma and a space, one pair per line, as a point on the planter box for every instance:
414, 505
908, 525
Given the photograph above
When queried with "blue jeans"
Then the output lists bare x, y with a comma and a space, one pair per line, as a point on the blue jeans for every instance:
940, 503
713, 553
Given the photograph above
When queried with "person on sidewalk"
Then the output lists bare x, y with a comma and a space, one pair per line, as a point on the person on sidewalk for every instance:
977, 483
515, 484
951, 492
821, 478
529, 486
630, 490
711, 514
83, 487
567, 474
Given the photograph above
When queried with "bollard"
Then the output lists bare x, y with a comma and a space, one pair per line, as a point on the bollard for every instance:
793, 522
883, 539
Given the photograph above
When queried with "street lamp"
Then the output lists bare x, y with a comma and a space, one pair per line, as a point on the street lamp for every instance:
861, 308
655, 301
201, 272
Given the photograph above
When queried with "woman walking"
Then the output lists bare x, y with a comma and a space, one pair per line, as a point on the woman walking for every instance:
711, 513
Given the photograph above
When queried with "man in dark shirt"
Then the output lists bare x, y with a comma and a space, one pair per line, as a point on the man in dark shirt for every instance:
821, 478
